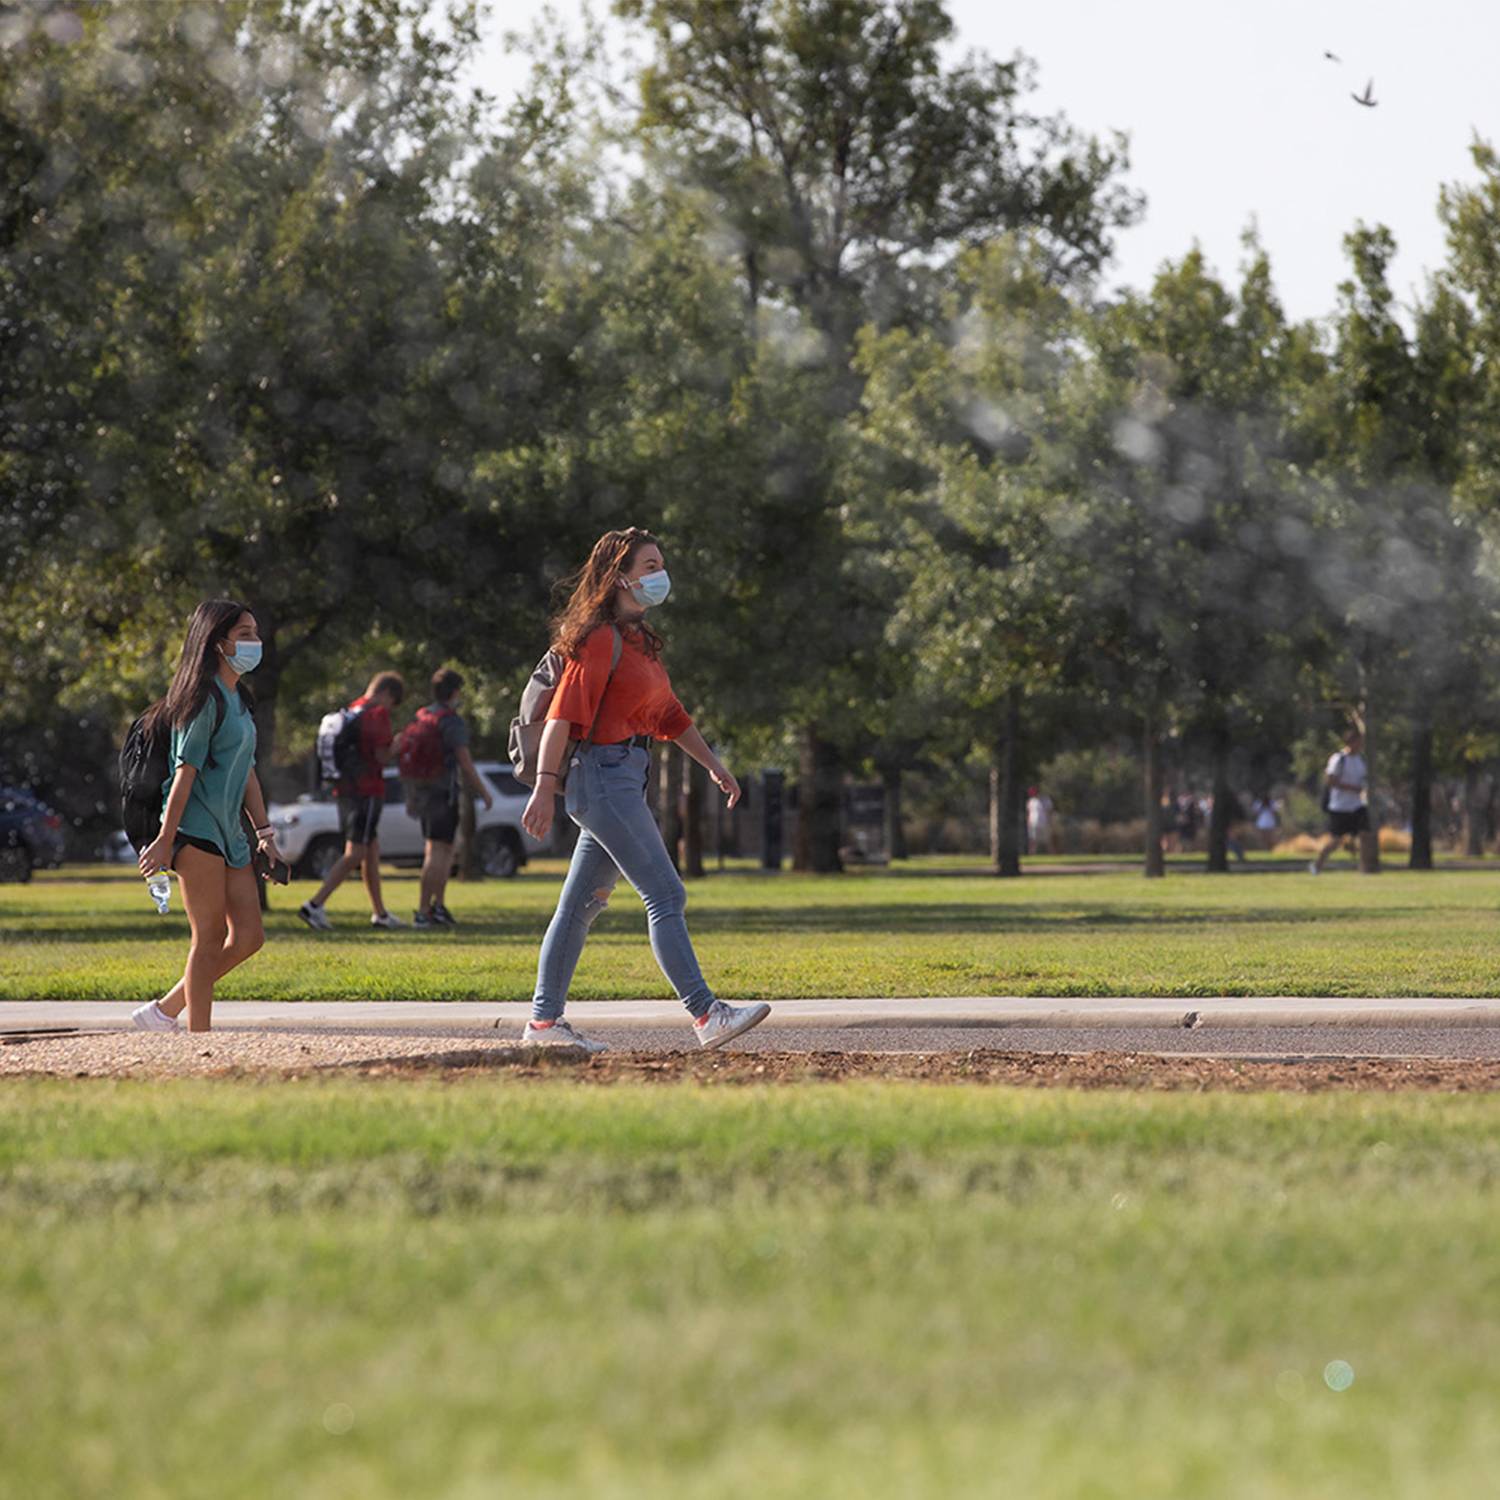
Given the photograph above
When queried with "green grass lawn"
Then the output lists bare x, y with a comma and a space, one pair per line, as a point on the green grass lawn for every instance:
389, 1289
92, 934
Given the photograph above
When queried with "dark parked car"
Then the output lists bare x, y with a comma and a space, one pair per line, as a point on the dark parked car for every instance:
31, 835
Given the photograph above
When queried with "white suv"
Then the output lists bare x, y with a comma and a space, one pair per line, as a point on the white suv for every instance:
308, 829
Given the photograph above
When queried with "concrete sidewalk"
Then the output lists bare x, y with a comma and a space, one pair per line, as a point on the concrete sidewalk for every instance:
987, 1012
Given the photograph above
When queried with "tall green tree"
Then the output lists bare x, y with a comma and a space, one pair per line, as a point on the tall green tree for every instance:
849, 163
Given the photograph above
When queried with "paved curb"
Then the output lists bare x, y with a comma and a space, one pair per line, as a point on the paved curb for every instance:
994, 1012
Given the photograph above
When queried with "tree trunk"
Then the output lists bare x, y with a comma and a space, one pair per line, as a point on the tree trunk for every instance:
1420, 857
1369, 841
697, 808
1006, 801
895, 831
669, 802
1218, 822
1473, 813
468, 839
818, 809
1155, 864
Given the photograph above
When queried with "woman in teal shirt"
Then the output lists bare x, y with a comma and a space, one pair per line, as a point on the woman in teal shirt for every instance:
212, 778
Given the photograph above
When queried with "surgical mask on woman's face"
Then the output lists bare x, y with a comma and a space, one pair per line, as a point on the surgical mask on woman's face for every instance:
652, 589
244, 658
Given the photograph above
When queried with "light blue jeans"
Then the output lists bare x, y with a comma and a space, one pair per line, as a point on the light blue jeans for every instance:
607, 800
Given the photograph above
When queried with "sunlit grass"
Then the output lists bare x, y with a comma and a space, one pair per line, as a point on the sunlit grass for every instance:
94, 935
388, 1289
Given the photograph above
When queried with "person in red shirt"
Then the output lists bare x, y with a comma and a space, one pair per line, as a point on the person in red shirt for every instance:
360, 802
601, 722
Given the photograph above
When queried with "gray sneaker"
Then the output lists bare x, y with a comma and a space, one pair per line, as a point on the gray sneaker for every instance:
315, 917
388, 921
725, 1022
559, 1034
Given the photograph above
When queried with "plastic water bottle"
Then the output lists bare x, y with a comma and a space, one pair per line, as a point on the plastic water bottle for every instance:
160, 888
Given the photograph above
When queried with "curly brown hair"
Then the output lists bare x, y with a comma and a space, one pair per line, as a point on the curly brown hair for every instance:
591, 592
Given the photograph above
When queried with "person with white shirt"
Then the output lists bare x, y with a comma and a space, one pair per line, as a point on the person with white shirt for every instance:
1040, 836
1346, 779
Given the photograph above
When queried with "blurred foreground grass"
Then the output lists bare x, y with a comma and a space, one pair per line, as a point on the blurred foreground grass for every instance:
92, 934
392, 1289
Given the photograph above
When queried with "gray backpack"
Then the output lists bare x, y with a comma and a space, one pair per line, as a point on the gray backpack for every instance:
527, 726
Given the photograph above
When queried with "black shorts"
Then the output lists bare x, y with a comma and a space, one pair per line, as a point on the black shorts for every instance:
1344, 825
188, 841
359, 818
440, 819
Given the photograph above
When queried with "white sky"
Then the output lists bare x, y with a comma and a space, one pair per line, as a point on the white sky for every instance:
1234, 114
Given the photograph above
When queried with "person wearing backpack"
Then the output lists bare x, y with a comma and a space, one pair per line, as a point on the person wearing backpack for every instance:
211, 784
432, 751
612, 699
354, 746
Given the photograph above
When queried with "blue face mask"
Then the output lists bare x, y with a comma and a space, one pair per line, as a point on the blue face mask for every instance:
244, 658
652, 589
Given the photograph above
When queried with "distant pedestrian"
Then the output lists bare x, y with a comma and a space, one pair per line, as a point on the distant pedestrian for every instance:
1041, 834
434, 753
1346, 784
360, 794
613, 699
211, 785
1234, 826
1187, 816
1267, 817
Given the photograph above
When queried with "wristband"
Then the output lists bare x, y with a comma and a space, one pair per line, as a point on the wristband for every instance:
261, 832
552, 774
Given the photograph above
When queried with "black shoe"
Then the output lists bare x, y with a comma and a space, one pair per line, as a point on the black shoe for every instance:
424, 921
440, 913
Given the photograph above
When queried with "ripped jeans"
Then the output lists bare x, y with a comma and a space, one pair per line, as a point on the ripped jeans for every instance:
607, 800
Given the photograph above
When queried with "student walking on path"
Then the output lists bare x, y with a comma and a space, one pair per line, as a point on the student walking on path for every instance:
361, 800
436, 745
211, 783
602, 719
1344, 798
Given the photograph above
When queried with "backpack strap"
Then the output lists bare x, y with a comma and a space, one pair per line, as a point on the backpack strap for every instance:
220, 709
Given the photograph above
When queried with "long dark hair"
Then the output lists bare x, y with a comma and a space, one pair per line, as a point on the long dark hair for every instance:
193, 680
591, 591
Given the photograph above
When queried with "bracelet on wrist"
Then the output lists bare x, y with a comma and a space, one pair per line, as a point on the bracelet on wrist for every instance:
552, 774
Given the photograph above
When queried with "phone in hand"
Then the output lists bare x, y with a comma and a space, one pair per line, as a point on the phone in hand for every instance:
278, 871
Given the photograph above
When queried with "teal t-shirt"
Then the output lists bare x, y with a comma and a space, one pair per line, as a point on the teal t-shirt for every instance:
213, 810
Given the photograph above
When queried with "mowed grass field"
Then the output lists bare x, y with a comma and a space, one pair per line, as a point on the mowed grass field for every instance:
385, 1288
91, 933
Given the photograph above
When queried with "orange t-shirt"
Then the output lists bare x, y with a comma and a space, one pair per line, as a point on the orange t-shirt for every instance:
640, 699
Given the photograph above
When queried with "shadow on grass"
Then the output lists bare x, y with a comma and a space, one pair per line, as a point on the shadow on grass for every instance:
876, 918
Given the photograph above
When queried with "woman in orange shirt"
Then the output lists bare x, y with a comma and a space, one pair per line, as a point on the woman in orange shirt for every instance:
604, 725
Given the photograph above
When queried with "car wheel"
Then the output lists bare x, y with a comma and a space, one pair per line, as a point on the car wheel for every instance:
15, 863
322, 855
500, 853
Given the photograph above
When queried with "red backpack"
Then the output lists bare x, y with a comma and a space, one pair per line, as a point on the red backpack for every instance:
419, 749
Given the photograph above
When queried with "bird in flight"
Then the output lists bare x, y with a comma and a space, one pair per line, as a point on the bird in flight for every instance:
1333, 57
1367, 98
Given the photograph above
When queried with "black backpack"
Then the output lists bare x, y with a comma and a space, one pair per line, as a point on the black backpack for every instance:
339, 757
145, 763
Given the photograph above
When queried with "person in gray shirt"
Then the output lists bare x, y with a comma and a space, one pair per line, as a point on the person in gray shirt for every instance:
441, 751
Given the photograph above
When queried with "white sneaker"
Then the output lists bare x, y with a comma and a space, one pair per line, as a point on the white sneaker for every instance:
559, 1034
315, 917
725, 1022
387, 921
151, 1017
